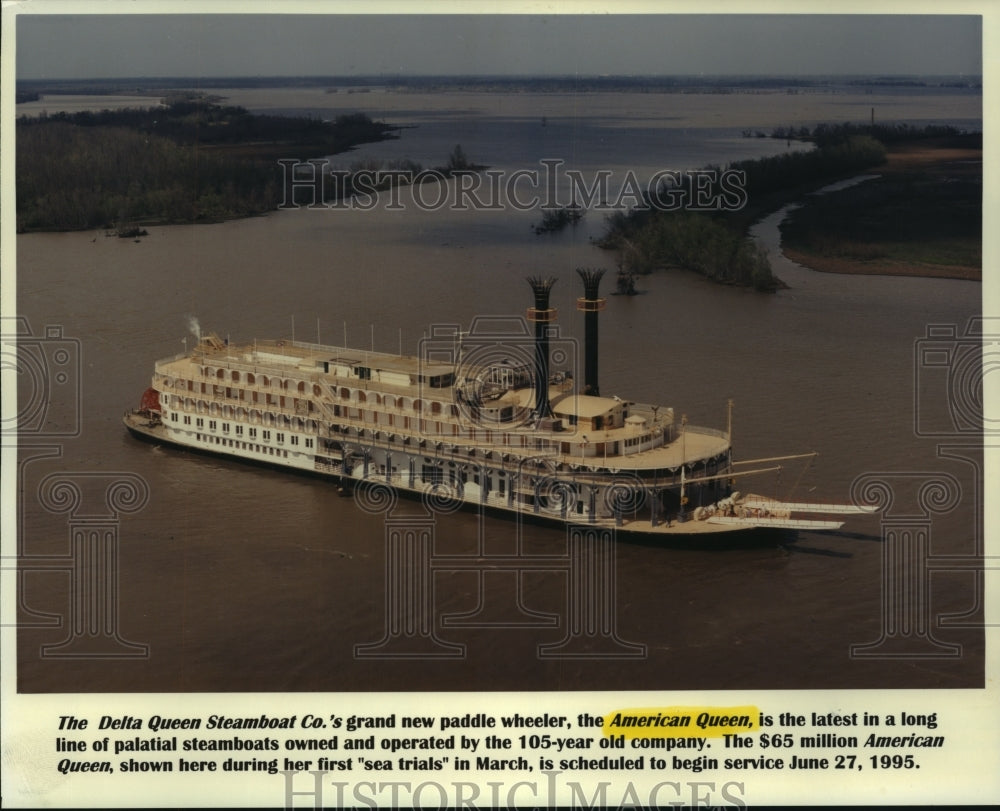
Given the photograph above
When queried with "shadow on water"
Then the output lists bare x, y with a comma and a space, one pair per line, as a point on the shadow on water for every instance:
812, 550
856, 536
723, 542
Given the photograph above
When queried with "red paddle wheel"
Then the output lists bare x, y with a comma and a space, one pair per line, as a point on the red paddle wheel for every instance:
150, 400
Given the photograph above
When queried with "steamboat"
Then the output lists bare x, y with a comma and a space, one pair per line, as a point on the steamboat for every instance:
478, 418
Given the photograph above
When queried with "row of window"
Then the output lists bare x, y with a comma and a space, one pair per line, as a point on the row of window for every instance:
359, 396
361, 372
638, 440
294, 423
237, 445
213, 425
299, 406
286, 384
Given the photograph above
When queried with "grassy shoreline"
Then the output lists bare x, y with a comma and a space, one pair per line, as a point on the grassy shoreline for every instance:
921, 217
715, 241
187, 161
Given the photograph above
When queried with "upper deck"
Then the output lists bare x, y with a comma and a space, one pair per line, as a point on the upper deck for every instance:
400, 394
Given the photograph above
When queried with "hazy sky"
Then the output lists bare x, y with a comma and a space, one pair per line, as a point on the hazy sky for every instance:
89, 46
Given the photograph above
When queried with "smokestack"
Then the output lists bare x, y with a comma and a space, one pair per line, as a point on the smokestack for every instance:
542, 316
591, 305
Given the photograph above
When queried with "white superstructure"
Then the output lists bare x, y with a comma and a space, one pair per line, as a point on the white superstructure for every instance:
468, 425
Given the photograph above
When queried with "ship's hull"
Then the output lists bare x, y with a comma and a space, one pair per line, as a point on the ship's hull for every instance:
640, 520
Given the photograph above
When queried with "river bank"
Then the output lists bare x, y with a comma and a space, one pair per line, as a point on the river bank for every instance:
921, 216
187, 160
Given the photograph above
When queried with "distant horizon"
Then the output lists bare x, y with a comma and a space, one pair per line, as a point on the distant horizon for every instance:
504, 77
190, 46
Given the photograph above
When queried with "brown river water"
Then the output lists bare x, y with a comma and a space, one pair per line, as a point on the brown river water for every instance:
239, 578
